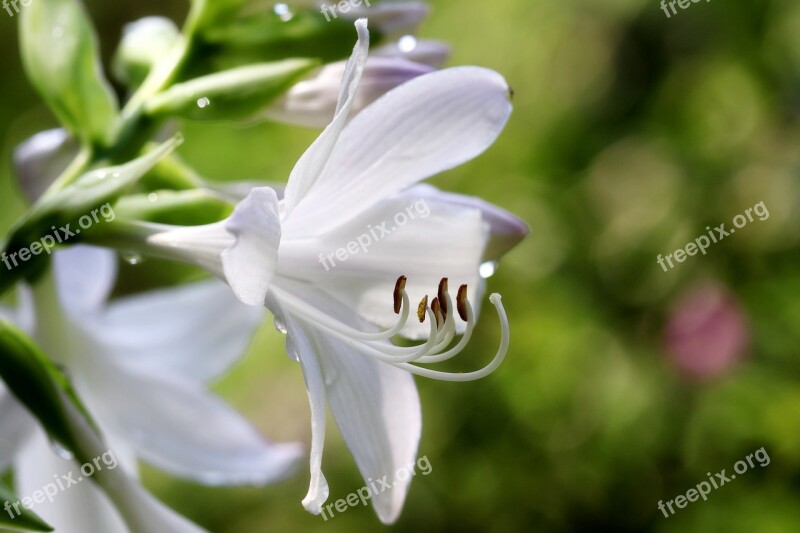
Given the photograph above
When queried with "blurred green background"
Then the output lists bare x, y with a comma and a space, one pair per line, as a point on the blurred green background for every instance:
625, 384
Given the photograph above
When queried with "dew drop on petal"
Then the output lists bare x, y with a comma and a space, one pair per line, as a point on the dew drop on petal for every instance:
203, 102
61, 451
488, 269
282, 10
407, 44
280, 326
132, 258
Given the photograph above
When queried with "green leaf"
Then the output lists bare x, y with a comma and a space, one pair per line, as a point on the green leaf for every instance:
27, 520
39, 385
60, 55
234, 94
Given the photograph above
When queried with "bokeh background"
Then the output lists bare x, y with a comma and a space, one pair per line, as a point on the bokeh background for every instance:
625, 384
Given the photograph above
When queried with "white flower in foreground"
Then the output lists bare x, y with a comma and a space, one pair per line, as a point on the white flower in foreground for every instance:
354, 178
141, 364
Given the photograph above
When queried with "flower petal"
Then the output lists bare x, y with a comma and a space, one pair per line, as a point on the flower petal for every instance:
180, 428
80, 508
438, 239
313, 162
16, 425
197, 331
428, 125
375, 405
311, 103
85, 276
431, 53
249, 264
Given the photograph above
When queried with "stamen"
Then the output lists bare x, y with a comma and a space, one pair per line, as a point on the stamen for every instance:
442, 300
421, 309
460, 299
496, 300
437, 311
399, 287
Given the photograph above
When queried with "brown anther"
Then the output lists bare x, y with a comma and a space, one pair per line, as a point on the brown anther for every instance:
421, 310
398, 294
437, 311
461, 302
442, 296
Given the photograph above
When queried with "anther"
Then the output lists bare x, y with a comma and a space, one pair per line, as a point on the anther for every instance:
461, 302
437, 312
442, 299
398, 294
423, 305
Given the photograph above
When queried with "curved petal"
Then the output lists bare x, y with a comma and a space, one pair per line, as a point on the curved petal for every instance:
197, 331
299, 346
85, 276
314, 161
428, 125
180, 428
375, 405
391, 18
506, 230
249, 264
441, 240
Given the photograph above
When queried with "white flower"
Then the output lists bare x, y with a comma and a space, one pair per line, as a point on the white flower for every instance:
141, 364
354, 177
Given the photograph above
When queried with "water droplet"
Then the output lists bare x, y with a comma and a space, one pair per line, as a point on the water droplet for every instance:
101, 175
58, 32
132, 258
407, 44
280, 326
488, 269
283, 11
61, 451
115, 175
203, 102
153, 197
331, 376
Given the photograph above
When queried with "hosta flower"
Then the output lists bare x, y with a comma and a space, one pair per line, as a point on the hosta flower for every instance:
359, 180
141, 364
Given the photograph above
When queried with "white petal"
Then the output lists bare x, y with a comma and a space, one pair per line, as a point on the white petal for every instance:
314, 160
391, 17
249, 264
85, 276
443, 240
376, 407
312, 103
428, 125
197, 331
506, 230
431, 53
16, 425
182, 429
80, 507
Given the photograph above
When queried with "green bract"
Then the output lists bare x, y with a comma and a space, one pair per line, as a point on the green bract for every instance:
233, 94
60, 55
